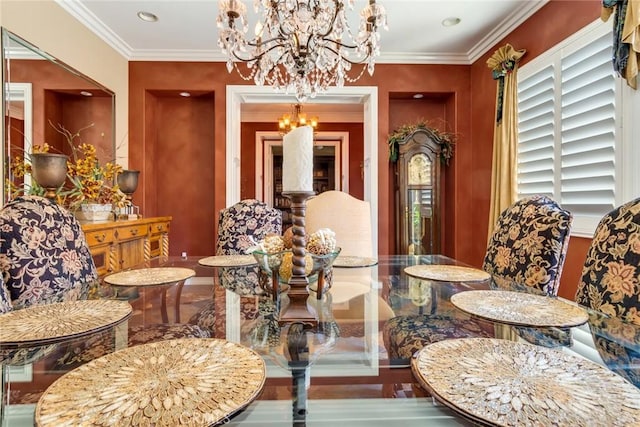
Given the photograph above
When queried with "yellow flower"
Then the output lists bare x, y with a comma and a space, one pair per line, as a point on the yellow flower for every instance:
620, 280
503, 258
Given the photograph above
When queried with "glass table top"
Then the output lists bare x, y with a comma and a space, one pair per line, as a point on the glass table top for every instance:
333, 368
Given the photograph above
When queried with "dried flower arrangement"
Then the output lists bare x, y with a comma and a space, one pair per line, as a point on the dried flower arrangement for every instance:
87, 180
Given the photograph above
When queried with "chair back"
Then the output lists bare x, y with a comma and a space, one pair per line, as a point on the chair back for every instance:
347, 216
44, 256
244, 224
609, 281
528, 246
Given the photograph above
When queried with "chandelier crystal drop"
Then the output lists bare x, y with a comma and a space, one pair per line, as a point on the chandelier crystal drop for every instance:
300, 47
289, 122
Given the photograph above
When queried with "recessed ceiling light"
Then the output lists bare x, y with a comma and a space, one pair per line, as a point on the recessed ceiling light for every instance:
450, 22
86, 93
147, 16
418, 96
185, 94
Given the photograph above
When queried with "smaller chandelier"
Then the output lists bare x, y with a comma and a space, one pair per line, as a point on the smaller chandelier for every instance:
289, 122
300, 46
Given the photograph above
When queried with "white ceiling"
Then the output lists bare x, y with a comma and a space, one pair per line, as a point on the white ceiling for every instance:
186, 29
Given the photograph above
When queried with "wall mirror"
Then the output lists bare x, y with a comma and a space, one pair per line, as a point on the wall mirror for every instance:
41, 94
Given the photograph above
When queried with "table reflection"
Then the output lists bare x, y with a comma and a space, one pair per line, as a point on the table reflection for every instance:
340, 369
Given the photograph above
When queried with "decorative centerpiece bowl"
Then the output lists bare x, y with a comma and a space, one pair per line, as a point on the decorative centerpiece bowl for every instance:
277, 267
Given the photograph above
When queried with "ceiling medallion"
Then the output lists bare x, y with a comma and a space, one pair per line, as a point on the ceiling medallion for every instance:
301, 47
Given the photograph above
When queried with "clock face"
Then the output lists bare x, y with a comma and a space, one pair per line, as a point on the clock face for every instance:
419, 170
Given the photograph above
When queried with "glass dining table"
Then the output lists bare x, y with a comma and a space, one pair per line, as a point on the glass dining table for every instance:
333, 369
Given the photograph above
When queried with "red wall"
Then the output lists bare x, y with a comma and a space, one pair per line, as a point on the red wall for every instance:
57, 99
548, 27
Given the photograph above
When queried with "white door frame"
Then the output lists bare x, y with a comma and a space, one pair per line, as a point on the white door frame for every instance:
266, 140
16, 93
365, 95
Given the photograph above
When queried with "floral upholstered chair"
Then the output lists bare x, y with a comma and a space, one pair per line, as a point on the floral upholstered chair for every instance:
610, 285
244, 224
529, 245
609, 282
240, 227
44, 256
526, 252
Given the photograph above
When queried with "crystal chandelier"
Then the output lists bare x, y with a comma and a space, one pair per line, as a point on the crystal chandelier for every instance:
289, 122
300, 46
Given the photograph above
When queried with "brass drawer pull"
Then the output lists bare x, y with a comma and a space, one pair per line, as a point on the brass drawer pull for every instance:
100, 238
159, 227
134, 231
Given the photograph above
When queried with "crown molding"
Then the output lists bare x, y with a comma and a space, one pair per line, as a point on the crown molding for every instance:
423, 58
88, 19
507, 26
207, 55
76, 9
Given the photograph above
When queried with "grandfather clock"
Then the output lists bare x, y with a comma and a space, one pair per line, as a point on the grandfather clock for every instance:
418, 202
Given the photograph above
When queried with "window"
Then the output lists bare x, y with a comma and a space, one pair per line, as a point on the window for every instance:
571, 146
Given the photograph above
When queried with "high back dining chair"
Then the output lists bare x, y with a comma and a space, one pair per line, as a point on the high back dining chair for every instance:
244, 224
347, 216
44, 256
609, 281
609, 284
527, 249
350, 218
240, 227
529, 245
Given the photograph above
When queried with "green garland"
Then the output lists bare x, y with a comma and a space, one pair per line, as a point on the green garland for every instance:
446, 140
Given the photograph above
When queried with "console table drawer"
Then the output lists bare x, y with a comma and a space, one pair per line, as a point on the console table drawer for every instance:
131, 232
159, 228
118, 245
100, 237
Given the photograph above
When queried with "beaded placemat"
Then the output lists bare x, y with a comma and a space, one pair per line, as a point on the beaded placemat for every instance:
502, 382
228, 260
519, 308
447, 273
149, 276
49, 323
344, 261
190, 381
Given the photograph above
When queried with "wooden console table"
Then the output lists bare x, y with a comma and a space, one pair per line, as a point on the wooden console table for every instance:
118, 245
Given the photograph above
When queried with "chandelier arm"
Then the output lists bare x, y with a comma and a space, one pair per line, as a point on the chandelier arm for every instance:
348, 46
362, 61
257, 57
264, 42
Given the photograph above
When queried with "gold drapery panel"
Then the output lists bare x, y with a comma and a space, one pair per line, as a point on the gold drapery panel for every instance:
626, 37
504, 65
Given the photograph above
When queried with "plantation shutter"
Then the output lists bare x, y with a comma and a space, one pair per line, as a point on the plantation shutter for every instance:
588, 129
536, 134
